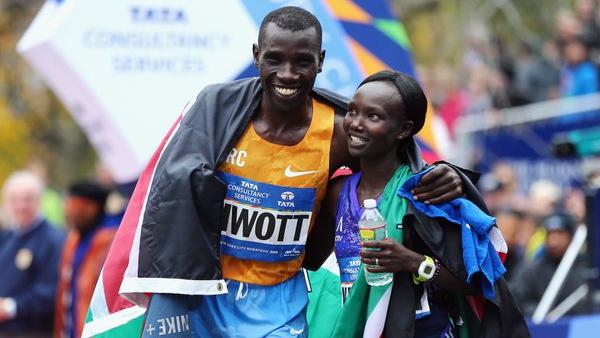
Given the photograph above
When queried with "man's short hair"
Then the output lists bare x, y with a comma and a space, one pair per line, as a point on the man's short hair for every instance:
89, 190
290, 18
23, 179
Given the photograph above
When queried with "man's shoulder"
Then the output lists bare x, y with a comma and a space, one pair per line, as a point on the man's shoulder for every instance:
51, 233
4, 234
337, 101
252, 83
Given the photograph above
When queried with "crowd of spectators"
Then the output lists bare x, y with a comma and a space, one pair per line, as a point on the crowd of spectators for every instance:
495, 75
538, 226
49, 268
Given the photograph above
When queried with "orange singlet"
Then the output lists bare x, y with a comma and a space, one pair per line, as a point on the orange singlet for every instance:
273, 193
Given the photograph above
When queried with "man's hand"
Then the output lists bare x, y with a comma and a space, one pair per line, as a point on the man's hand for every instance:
441, 184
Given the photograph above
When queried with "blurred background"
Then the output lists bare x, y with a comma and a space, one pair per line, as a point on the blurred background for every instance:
513, 88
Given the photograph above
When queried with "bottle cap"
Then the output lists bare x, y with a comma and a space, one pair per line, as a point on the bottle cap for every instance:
370, 203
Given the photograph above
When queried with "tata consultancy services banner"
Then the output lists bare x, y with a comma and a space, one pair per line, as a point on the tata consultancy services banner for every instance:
126, 68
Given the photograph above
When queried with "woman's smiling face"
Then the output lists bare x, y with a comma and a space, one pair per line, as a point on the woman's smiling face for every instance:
375, 120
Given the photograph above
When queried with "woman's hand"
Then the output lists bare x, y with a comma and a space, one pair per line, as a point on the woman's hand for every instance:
395, 257
392, 257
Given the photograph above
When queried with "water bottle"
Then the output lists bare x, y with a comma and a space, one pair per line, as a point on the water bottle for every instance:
372, 228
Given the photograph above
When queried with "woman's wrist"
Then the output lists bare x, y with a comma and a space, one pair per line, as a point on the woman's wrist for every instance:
416, 261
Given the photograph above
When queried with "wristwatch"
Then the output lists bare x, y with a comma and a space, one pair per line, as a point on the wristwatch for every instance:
426, 271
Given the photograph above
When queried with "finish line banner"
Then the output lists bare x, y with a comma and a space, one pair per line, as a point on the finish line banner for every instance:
125, 69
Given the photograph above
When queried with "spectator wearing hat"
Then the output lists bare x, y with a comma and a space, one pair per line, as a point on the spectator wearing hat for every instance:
532, 279
90, 234
29, 255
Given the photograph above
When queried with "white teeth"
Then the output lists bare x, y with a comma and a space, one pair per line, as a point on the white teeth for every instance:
285, 91
357, 139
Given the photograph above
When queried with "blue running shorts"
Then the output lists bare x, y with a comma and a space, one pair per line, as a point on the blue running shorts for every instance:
254, 311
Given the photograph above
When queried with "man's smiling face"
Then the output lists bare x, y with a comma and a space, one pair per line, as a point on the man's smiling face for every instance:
288, 64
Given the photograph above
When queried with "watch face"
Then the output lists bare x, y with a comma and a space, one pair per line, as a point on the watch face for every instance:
427, 269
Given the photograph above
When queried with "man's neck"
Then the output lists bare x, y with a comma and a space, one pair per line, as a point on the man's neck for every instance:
84, 230
284, 117
283, 127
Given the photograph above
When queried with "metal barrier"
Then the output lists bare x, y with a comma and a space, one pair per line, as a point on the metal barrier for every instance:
559, 276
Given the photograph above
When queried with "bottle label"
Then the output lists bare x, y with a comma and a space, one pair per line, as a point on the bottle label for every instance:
373, 233
367, 234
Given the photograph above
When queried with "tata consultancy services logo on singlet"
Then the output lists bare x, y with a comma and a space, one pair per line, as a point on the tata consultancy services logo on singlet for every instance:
265, 222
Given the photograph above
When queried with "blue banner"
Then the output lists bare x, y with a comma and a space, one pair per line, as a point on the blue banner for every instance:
568, 327
528, 148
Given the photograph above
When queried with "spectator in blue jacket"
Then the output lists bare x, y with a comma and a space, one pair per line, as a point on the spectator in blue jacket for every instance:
579, 75
29, 256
